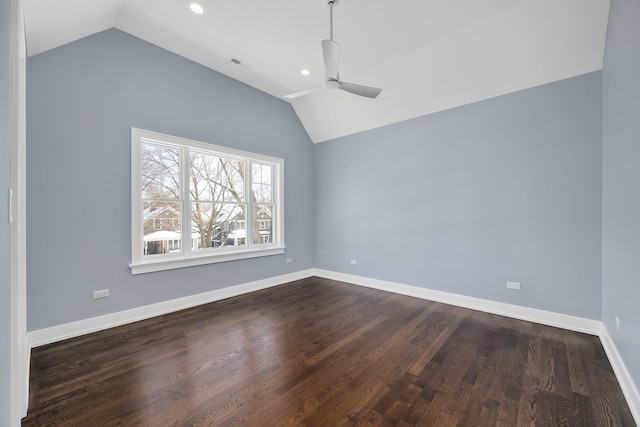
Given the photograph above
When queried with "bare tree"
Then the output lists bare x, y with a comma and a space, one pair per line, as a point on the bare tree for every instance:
160, 172
215, 194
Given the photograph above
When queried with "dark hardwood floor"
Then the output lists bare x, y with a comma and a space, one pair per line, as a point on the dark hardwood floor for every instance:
322, 353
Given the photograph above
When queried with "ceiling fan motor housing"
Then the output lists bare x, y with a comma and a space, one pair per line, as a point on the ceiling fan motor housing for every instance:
332, 84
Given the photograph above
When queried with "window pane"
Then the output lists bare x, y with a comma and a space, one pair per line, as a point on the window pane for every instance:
215, 178
160, 172
261, 173
161, 227
261, 183
218, 224
262, 224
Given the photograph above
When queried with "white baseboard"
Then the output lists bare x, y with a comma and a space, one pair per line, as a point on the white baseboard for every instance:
81, 327
26, 387
629, 389
549, 318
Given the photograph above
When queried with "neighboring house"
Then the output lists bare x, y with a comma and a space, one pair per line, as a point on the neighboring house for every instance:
162, 230
263, 220
157, 218
233, 231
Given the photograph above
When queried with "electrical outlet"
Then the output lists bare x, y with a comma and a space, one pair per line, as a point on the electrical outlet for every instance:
617, 323
513, 285
103, 293
289, 261
354, 262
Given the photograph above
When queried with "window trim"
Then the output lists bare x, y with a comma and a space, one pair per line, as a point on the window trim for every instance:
187, 258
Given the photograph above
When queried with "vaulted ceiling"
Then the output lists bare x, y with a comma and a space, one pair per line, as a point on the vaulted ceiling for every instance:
427, 55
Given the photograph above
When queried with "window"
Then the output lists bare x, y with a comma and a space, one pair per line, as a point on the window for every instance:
195, 203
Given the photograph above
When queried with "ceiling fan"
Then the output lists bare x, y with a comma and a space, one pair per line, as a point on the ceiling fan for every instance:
331, 55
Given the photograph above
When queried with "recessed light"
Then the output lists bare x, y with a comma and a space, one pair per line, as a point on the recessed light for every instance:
305, 72
196, 7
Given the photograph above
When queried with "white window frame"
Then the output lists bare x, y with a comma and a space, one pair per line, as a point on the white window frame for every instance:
187, 256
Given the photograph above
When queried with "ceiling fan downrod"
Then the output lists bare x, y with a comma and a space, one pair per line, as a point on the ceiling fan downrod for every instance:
331, 3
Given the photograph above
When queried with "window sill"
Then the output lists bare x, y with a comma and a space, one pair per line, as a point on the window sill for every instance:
167, 263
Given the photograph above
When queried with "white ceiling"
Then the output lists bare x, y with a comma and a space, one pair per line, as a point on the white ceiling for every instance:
427, 55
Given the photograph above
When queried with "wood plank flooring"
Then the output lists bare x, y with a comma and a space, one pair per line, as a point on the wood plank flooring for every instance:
321, 353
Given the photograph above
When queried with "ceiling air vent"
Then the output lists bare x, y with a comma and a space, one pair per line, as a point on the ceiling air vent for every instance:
240, 63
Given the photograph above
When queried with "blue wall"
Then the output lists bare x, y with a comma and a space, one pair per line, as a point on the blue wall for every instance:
82, 100
5, 230
466, 199
621, 182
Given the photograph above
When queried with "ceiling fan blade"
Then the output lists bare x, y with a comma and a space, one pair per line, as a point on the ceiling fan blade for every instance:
369, 92
331, 55
302, 93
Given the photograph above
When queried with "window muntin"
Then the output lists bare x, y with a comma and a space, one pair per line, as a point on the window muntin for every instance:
199, 202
